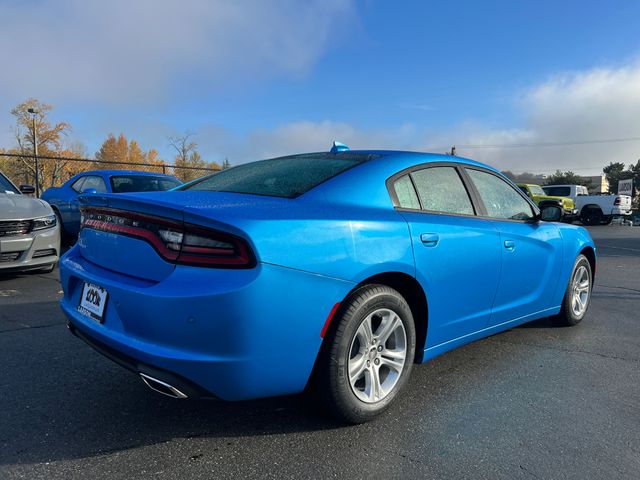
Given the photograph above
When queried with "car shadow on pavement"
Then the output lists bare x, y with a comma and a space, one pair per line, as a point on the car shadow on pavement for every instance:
61, 400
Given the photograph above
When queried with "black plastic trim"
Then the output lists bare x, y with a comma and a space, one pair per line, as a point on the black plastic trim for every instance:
189, 388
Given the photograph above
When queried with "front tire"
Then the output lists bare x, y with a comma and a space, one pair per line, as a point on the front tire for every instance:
65, 238
577, 296
368, 354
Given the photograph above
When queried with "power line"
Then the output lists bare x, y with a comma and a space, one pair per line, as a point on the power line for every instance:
549, 144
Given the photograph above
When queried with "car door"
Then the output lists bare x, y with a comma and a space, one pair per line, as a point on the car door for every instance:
67, 204
457, 254
89, 182
531, 249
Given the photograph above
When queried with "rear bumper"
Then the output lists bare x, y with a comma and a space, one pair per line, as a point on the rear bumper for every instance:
620, 211
230, 334
31, 251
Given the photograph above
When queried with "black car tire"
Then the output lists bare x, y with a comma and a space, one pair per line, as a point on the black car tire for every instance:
567, 317
591, 216
332, 381
65, 238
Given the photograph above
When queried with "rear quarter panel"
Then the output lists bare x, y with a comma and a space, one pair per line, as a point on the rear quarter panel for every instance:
574, 240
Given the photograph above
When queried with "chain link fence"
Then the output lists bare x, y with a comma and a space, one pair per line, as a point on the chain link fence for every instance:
53, 171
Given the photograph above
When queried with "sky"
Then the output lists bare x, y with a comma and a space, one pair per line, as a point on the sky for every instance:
255, 79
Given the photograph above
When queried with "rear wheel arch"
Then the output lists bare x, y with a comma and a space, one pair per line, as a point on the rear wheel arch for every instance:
591, 206
591, 257
412, 292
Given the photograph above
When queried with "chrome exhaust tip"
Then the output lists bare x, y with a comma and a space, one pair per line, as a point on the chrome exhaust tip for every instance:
161, 387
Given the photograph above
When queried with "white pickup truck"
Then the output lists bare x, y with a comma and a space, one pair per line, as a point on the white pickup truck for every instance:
592, 209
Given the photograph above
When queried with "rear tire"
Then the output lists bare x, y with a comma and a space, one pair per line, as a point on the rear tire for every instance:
591, 216
368, 354
577, 295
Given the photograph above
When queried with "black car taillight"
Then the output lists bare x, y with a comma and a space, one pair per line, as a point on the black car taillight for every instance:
174, 241
617, 201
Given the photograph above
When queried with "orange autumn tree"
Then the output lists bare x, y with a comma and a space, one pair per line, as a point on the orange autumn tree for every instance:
52, 142
119, 149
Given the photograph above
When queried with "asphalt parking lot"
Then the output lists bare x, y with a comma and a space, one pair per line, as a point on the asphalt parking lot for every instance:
533, 402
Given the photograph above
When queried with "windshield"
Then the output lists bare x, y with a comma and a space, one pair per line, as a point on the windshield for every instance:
536, 189
286, 177
142, 183
6, 186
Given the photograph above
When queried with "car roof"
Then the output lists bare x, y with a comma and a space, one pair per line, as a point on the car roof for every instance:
123, 172
365, 183
402, 157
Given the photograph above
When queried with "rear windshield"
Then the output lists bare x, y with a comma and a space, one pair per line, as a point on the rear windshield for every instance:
142, 183
558, 191
286, 177
6, 186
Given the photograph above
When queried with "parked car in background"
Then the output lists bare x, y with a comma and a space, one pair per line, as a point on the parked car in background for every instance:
537, 194
29, 231
338, 270
592, 209
64, 199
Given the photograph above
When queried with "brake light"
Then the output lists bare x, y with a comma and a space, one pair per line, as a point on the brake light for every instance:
617, 201
174, 241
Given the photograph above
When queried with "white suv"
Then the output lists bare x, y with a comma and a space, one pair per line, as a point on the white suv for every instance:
29, 231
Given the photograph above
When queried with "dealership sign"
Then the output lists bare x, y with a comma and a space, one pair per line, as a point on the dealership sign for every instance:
625, 187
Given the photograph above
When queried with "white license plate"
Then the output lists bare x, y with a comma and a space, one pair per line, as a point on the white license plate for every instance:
93, 302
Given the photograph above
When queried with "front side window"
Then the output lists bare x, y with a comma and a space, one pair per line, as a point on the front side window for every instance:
441, 190
500, 199
94, 182
405, 193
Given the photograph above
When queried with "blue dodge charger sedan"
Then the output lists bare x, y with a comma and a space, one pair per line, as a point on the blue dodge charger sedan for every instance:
64, 199
335, 271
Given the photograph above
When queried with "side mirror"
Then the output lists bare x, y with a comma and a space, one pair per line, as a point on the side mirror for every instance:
89, 190
27, 189
551, 213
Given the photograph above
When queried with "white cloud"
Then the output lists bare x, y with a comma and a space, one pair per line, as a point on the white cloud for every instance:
602, 103
126, 51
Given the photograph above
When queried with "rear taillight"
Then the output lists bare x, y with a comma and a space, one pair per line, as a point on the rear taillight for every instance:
174, 241
617, 201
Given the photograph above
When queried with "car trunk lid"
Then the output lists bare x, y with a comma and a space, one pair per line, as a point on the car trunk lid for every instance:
146, 235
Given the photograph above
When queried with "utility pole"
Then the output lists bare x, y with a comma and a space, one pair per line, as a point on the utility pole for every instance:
33, 113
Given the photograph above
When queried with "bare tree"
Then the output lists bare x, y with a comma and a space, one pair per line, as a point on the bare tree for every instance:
184, 147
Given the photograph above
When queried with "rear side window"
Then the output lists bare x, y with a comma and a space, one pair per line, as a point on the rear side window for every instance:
557, 191
142, 183
500, 199
77, 185
441, 190
286, 177
405, 193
